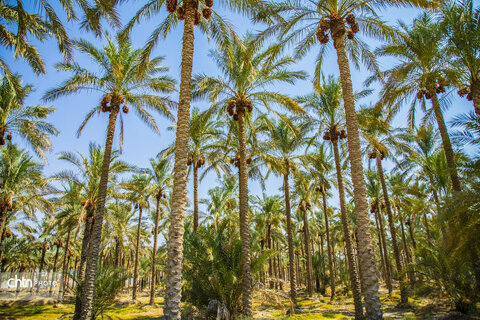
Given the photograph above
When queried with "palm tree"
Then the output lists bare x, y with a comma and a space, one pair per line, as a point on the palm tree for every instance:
124, 80
19, 24
89, 170
422, 71
280, 152
325, 104
161, 174
214, 26
460, 23
381, 140
319, 164
26, 121
138, 193
247, 69
309, 22
22, 183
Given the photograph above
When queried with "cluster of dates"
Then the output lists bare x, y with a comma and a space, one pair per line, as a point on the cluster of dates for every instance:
198, 164
236, 160
2, 137
304, 205
334, 134
439, 87
234, 107
107, 106
373, 155
327, 23
161, 194
206, 11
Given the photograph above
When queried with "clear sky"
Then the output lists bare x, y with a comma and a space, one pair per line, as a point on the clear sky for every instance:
141, 143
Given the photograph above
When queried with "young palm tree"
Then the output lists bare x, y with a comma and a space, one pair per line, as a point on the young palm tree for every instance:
138, 193
26, 121
123, 80
422, 71
161, 174
311, 21
280, 152
191, 12
461, 24
325, 106
248, 69
22, 183
381, 140
90, 170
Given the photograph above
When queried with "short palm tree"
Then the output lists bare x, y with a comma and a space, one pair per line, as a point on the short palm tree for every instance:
123, 79
161, 180
422, 71
248, 68
26, 121
22, 183
89, 169
280, 152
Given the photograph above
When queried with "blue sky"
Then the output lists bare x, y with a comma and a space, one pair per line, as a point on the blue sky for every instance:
141, 143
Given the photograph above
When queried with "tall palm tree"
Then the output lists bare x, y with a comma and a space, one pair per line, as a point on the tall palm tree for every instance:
26, 121
247, 68
422, 71
382, 142
311, 21
123, 79
460, 22
22, 183
326, 114
191, 13
280, 152
161, 174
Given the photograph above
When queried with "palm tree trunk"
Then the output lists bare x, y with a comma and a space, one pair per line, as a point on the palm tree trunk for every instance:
87, 234
54, 269
475, 91
61, 293
366, 253
427, 229
411, 275
354, 283
94, 248
195, 198
447, 146
271, 274
42, 261
410, 230
291, 255
329, 245
173, 282
137, 252
388, 267
393, 233
380, 246
3, 218
244, 219
154, 252
308, 254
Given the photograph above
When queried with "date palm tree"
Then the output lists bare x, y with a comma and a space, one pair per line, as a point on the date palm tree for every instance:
460, 22
161, 180
22, 183
122, 78
248, 68
280, 152
382, 142
422, 71
326, 114
191, 12
89, 170
26, 121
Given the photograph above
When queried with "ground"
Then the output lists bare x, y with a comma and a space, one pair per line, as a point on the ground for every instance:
268, 304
